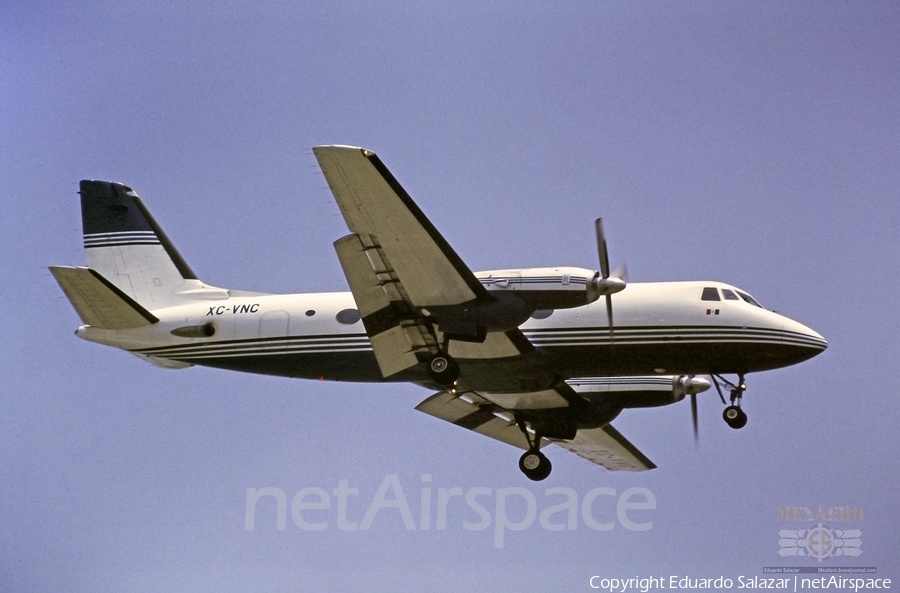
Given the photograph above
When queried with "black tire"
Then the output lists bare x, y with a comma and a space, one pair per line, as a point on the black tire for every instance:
443, 369
735, 417
535, 465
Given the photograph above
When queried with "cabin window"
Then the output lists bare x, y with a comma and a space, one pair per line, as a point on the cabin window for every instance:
710, 293
542, 314
310, 313
729, 295
347, 316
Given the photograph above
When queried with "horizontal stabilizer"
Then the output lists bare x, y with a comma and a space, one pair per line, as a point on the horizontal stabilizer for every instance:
98, 302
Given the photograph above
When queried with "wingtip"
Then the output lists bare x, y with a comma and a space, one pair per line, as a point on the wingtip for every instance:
342, 148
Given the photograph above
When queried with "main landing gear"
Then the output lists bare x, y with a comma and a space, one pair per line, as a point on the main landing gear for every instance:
533, 463
733, 415
443, 369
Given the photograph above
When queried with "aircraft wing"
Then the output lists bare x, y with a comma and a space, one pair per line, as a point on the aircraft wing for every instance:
607, 447
603, 446
376, 206
398, 265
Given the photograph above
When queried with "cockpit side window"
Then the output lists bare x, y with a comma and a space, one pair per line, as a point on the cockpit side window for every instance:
749, 299
729, 295
710, 293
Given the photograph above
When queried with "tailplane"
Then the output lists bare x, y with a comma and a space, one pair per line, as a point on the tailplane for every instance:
98, 302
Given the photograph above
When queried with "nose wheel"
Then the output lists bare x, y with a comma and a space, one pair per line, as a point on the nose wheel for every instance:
733, 415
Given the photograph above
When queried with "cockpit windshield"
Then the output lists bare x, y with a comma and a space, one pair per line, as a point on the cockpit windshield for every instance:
711, 293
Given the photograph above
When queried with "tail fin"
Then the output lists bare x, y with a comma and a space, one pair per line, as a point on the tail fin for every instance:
125, 245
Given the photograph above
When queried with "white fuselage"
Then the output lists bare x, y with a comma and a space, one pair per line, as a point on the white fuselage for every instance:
661, 328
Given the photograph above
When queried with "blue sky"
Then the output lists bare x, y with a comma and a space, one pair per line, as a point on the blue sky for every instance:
753, 143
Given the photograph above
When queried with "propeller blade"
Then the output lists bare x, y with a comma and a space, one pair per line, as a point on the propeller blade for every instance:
694, 417
605, 284
621, 273
601, 249
609, 316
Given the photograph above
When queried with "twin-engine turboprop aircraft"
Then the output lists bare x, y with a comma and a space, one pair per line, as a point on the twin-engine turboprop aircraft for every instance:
526, 356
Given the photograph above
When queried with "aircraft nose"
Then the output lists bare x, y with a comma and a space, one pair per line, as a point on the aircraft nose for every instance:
796, 333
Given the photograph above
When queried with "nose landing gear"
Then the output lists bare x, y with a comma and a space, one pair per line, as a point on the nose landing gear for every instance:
733, 415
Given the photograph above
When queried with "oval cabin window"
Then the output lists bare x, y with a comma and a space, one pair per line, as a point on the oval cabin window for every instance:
347, 316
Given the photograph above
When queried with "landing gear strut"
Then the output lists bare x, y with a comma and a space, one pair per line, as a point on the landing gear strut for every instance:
533, 463
733, 415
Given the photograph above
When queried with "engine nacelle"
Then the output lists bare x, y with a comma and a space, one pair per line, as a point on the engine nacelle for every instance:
545, 288
639, 392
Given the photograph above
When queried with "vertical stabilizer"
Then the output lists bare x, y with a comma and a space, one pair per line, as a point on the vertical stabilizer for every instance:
124, 244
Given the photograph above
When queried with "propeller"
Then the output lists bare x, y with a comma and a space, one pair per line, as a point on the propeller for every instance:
694, 417
607, 284
692, 385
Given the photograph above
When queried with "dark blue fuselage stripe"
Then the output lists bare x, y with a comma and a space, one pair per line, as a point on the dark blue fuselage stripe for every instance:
324, 344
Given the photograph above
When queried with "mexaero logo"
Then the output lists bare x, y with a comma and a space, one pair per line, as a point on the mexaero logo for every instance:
820, 542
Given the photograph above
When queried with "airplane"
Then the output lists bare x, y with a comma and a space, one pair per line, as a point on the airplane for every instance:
528, 356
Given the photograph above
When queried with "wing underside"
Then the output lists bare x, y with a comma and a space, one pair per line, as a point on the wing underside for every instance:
603, 446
